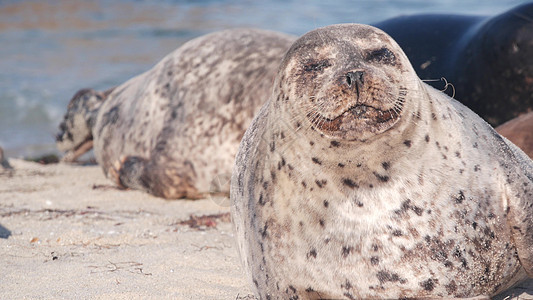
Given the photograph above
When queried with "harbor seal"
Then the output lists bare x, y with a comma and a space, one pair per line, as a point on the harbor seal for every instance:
358, 180
488, 60
172, 129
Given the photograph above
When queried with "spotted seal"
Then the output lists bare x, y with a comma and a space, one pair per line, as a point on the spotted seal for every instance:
488, 59
172, 129
358, 180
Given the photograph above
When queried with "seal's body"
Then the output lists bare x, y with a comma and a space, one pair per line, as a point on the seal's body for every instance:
489, 60
171, 130
357, 180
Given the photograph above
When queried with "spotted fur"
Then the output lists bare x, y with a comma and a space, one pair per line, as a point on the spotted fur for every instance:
428, 201
172, 129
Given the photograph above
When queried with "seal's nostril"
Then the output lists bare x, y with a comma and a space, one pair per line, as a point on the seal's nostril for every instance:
356, 77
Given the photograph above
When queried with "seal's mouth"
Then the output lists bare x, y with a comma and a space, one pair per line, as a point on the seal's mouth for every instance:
359, 114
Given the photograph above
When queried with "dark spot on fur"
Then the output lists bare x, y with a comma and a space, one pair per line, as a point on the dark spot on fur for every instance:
433, 116
346, 251
261, 201
384, 276
341, 165
304, 184
347, 285
348, 182
427, 138
326, 203
321, 183
309, 290
428, 285
321, 222
397, 232
311, 143
386, 165
311, 253
374, 260
335, 144
316, 161
349, 296
264, 231
451, 287
407, 143
459, 198
457, 154
111, 117
477, 168
382, 178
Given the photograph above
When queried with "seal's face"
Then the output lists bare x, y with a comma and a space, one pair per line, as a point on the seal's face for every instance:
348, 79
76, 128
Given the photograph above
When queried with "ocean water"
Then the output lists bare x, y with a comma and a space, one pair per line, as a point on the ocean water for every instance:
49, 49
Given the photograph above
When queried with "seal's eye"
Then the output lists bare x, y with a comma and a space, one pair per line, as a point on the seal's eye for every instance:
382, 55
314, 66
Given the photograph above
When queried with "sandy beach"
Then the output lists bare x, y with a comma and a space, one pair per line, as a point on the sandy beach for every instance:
67, 232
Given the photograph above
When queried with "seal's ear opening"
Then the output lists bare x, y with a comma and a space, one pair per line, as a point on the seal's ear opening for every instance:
75, 131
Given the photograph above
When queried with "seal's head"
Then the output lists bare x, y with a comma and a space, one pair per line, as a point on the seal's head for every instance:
348, 79
76, 128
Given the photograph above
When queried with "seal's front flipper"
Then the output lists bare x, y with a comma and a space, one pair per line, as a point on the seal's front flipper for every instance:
161, 180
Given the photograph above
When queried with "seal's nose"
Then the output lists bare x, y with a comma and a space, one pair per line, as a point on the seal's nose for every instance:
355, 78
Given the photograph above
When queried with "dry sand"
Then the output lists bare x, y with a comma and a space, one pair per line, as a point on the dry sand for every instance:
66, 232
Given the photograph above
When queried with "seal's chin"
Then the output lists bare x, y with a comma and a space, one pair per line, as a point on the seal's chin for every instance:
358, 122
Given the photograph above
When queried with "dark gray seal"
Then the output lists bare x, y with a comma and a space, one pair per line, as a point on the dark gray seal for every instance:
171, 130
356, 180
488, 60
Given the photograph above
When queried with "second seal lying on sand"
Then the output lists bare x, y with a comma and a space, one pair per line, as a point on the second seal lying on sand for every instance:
171, 130
357, 180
